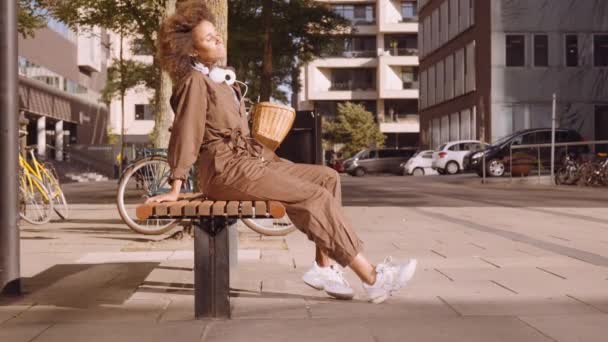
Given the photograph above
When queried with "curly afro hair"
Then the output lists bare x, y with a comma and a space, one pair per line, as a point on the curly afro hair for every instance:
175, 37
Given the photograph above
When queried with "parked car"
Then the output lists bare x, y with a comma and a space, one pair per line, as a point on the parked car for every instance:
377, 161
498, 155
419, 165
449, 158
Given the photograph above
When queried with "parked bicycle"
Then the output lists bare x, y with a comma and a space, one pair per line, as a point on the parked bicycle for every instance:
39, 190
149, 176
584, 173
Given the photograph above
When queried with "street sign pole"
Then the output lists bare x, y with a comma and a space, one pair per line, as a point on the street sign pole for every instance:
10, 283
553, 116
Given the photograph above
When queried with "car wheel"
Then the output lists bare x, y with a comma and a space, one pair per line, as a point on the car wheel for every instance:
452, 168
418, 172
359, 172
496, 168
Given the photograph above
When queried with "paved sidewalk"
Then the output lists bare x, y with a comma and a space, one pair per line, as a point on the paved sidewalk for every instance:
486, 274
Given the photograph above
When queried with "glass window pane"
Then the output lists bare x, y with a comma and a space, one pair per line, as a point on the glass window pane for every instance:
541, 50
572, 50
515, 50
600, 50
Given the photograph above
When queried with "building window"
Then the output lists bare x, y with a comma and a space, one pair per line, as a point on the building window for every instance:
600, 50
409, 77
357, 14
353, 79
571, 50
541, 50
143, 112
516, 50
409, 12
401, 45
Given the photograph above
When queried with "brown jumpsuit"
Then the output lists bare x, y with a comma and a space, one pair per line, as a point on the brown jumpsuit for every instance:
211, 126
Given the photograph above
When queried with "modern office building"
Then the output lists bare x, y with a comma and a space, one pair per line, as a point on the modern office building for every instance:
489, 68
376, 66
61, 76
138, 114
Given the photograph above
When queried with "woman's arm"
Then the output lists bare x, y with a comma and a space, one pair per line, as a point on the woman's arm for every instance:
173, 195
187, 132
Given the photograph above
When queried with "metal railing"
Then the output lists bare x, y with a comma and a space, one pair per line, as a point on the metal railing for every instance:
538, 161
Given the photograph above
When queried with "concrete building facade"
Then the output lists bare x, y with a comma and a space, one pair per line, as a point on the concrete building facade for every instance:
489, 68
61, 76
138, 114
376, 66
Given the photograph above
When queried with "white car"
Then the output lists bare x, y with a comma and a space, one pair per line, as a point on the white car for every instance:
419, 165
448, 158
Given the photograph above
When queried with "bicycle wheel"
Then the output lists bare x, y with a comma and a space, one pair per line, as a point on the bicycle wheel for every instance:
146, 178
35, 205
271, 226
51, 181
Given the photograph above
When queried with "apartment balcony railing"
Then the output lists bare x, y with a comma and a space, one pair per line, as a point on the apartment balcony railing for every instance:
362, 22
351, 86
413, 19
411, 85
399, 118
401, 52
351, 54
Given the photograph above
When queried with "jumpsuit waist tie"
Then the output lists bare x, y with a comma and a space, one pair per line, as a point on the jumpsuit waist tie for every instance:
238, 143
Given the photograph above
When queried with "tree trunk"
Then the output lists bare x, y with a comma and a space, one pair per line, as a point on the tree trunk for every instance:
163, 116
219, 8
266, 81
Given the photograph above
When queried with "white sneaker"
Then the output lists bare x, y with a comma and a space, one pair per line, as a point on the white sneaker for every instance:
331, 279
390, 278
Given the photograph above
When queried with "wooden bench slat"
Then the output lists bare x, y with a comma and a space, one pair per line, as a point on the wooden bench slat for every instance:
191, 209
276, 209
219, 208
144, 211
175, 208
205, 208
161, 209
247, 209
260, 209
232, 209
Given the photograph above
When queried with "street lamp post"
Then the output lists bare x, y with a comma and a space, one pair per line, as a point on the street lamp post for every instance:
9, 214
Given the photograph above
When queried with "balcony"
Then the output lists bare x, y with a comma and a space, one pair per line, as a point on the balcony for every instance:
401, 52
351, 54
352, 86
400, 123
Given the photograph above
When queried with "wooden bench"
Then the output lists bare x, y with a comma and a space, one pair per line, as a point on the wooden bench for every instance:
211, 220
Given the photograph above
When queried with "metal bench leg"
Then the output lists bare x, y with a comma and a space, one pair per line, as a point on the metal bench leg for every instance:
211, 268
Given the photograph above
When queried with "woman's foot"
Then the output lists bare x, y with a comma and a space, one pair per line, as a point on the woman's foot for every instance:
389, 279
330, 279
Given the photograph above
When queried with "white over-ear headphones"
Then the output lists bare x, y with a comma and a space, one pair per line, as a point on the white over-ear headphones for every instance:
219, 75
216, 74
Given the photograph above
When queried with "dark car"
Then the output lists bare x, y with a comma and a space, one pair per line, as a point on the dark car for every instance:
498, 155
384, 160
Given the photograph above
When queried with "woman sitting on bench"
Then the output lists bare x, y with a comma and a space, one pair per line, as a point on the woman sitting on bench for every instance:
211, 126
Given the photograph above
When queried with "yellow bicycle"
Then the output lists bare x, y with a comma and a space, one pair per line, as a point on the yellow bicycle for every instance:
35, 205
47, 176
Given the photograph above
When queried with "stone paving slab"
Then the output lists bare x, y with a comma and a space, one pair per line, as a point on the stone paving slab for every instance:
571, 328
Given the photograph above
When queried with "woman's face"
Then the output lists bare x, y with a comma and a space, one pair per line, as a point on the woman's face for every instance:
208, 46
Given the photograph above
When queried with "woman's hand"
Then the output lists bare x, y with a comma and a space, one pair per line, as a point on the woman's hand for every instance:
168, 197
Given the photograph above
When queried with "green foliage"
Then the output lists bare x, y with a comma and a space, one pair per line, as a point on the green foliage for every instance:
30, 17
113, 138
134, 17
132, 74
299, 34
354, 127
